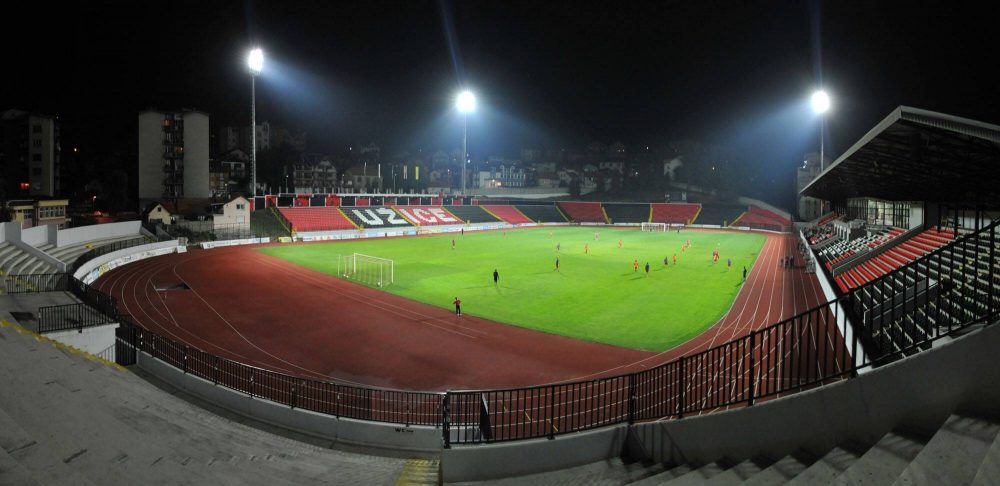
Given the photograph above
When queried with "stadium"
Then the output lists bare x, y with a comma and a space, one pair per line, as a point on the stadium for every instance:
883, 297
664, 332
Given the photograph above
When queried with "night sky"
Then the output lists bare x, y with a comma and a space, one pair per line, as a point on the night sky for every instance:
549, 74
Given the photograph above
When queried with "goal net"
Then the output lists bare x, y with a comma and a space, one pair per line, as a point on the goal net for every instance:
366, 269
654, 226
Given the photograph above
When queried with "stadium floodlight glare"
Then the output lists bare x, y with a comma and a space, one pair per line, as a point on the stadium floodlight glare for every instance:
820, 102
465, 102
256, 61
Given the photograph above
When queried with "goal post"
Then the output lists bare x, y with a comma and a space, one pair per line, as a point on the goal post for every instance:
366, 269
654, 226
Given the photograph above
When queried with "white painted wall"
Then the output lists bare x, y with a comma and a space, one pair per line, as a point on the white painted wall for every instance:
75, 236
93, 340
36, 236
82, 272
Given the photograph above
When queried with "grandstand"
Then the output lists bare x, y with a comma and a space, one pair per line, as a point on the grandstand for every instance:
896, 257
509, 214
471, 214
755, 217
427, 215
542, 213
675, 213
719, 214
625, 213
317, 219
374, 217
583, 212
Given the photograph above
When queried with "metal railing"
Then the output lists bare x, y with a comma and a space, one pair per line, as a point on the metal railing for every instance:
105, 249
868, 327
68, 317
35, 282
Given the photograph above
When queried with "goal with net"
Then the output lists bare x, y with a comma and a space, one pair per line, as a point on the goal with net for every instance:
366, 269
654, 226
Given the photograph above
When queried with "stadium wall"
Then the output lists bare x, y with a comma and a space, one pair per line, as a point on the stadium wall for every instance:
74, 236
92, 269
420, 440
920, 392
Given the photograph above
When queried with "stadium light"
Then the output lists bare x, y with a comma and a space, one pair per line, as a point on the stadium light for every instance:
821, 104
465, 103
255, 61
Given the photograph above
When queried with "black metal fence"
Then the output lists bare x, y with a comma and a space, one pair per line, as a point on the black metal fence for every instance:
30, 283
68, 317
946, 291
105, 249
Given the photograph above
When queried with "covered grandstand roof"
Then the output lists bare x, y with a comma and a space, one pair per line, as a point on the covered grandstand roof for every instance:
917, 155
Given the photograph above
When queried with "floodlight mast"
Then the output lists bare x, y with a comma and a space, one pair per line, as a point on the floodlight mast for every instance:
465, 103
255, 61
821, 104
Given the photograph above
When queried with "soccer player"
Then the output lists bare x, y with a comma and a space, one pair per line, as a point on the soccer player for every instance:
557, 264
647, 269
619, 243
666, 259
453, 243
496, 277
558, 247
729, 264
635, 265
744, 274
463, 231
597, 236
458, 306
586, 248
675, 259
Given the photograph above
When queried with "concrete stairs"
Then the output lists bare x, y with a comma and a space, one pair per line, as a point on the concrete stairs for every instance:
67, 419
964, 450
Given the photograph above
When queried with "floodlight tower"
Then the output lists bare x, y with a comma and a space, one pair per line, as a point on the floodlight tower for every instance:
465, 103
256, 63
821, 104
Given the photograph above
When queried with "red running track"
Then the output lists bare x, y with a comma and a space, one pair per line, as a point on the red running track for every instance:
265, 312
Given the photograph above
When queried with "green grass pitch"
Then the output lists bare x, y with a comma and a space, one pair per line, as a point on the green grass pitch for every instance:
596, 296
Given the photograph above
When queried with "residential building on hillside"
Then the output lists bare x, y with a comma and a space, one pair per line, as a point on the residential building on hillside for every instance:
29, 154
173, 155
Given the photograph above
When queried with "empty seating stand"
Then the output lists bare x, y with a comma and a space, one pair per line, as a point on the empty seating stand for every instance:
759, 217
674, 213
371, 217
895, 257
317, 219
509, 214
624, 213
428, 215
718, 214
543, 213
471, 214
583, 212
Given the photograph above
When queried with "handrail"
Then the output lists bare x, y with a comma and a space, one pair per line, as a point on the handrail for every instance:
797, 353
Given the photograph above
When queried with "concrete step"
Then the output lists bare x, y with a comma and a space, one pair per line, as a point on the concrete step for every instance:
698, 476
989, 470
601, 473
739, 473
666, 474
826, 468
12, 473
780, 472
954, 454
884, 462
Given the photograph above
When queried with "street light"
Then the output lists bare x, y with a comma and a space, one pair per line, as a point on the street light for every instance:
255, 61
821, 104
465, 103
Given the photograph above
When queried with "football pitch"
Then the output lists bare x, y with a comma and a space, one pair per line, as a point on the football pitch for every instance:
595, 295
